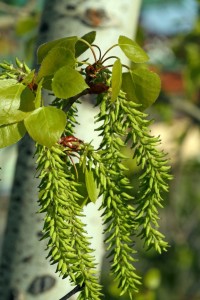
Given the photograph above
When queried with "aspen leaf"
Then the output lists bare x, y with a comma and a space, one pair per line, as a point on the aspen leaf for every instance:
16, 102
67, 83
5, 83
11, 134
141, 86
116, 79
54, 60
38, 96
91, 186
132, 50
80, 46
81, 187
29, 77
45, 125
67, 43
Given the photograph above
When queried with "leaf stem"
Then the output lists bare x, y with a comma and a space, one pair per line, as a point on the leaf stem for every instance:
94, 55
109, 58
115, 45
72, 100
93, 45
125, 66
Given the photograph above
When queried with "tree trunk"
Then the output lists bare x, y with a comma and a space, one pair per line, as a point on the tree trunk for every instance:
24, 271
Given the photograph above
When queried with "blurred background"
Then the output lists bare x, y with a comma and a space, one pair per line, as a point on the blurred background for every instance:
170, 32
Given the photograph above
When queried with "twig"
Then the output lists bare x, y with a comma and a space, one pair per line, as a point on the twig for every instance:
69, 102
77, 289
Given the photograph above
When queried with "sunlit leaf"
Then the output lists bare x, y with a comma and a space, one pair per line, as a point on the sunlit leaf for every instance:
11, 133
67, 43
80, 46
132, 50
45, 125
78, 173
38, 96
91, 186
16, 102
116, 79
141, 86
5, 83
67, 83
54, 60
47, 82
29, 77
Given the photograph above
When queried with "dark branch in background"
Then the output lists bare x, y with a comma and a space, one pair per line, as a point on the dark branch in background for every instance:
77, 289
187, 108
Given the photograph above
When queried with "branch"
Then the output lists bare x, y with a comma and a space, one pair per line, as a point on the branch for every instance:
72, 100
186, 107
77, 289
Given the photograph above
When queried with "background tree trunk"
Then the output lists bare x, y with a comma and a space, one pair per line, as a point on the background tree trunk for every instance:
24, 271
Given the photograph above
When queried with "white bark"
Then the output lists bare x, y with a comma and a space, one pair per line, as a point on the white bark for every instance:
25, 274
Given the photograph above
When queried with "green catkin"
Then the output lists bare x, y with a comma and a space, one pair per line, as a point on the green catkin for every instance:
125, 216
68, 243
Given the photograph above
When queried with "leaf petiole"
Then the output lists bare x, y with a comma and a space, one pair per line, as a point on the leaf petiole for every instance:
115, 45
88, 44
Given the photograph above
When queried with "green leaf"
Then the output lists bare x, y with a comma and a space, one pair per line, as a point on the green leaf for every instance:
81, 187
29, 77
47, 82
142, 86
54, 60
116, 79
5, 83
128, 87
67, 43
11, 134
132, 50
91, 185
80, 46
45, 125
38, 96
16, 102
67, 83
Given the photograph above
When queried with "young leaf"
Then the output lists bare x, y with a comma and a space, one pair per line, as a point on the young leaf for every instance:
67, 83
80, 46
81, 186
128, 86
16, 102
38, 97
91, 186
141, 86
11, 134
29, 77
6, 83
45, 125
67, 43
116, 79
132, 50
54, 60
